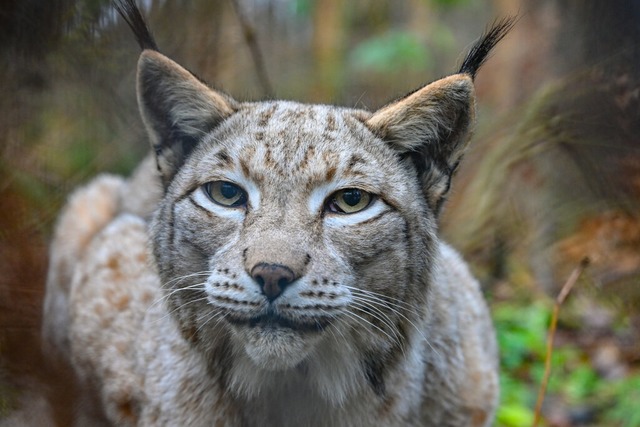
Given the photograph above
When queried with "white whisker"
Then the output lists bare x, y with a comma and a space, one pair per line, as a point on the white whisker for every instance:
387, 299
187, 276
377, 314
165, 297
210, 317
366, 322
169, 313
381, 302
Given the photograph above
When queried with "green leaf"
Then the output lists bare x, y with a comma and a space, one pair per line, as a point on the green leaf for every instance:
514, 416
625, 395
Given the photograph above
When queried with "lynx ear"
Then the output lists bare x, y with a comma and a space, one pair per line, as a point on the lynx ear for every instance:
177, 109
431, 127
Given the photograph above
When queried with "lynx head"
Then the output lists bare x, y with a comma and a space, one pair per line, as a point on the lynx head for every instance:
297, 234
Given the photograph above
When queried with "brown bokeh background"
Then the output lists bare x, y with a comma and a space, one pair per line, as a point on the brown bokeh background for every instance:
553, 174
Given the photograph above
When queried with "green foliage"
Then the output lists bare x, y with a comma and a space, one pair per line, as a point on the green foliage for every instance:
624, 398
522, 330
514, 415
517, 401
391, 51
521, 341
581, 383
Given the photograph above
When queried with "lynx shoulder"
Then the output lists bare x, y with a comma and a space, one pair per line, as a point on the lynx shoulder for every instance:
276, 263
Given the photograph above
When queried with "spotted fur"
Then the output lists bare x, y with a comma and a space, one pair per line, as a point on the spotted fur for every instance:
153, 293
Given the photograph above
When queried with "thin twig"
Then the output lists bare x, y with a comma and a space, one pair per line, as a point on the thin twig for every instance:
564, 292
256, 54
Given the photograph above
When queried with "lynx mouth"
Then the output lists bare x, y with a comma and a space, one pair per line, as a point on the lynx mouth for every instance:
273, 320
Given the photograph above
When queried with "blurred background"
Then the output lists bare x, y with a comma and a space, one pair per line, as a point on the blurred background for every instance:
552, 175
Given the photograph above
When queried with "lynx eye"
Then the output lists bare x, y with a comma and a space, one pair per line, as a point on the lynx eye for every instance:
225, 193
348, 201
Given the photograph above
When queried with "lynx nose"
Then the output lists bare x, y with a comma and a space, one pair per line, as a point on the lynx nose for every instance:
272, 278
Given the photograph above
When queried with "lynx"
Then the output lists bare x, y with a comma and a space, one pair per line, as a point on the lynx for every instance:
275, 263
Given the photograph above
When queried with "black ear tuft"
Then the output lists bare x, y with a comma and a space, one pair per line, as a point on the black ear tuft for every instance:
131, 14
481, 49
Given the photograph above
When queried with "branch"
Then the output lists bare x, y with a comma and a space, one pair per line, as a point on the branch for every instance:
564, 292
250, 37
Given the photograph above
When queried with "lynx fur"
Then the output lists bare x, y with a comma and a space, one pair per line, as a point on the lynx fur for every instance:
276, 263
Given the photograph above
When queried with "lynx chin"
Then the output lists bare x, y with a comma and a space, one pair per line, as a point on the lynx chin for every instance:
275, 263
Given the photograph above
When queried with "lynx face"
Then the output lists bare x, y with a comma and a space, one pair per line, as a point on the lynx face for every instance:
293, 225
291, 235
